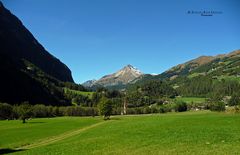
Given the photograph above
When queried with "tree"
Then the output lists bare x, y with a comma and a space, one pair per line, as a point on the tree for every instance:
235, 100
105, 108
24, 111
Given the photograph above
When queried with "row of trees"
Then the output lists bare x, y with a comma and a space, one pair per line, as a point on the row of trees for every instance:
105, 108
25, 111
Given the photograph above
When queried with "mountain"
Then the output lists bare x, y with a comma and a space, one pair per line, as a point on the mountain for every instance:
203, 76
28, 71
215, 67
203, 65
119, 79
89, 83
18, 43
185, 68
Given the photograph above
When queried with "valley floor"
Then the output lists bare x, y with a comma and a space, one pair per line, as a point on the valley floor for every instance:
201, 132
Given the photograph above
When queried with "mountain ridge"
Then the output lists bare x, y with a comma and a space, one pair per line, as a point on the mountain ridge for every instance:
123, 76
191, 65
222, 65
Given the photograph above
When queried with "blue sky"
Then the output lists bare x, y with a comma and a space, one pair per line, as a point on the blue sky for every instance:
97, 37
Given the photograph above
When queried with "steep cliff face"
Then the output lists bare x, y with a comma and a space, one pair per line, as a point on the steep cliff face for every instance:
18, 43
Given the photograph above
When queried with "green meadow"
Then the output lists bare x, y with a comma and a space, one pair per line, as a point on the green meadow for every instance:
201, 132
84, 93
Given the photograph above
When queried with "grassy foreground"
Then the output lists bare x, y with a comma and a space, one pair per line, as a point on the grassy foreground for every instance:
173, 133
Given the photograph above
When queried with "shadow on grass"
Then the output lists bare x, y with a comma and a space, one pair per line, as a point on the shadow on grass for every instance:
35, 122
6, 151
115, 118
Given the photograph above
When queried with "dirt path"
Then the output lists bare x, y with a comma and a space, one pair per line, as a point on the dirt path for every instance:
58, 138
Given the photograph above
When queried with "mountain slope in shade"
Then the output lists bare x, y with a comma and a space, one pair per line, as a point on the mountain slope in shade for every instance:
124, 76
18, 43
28, 71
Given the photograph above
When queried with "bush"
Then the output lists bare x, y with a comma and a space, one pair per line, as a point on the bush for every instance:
40, 110
56, 112
217, 106
235, 100
154, 110
162, 109
146, 110
180, 106
6, 111
167, 108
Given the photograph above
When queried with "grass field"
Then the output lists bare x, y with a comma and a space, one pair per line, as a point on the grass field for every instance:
173, 133
192, 99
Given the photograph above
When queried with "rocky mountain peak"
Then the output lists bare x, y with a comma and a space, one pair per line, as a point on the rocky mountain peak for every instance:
129, 69
123, 76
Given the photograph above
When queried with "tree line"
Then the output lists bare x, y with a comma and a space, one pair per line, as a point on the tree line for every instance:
144, 98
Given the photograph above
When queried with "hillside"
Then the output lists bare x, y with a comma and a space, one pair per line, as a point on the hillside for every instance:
28, 71
219, 65
18, 43
206, 65
203, 75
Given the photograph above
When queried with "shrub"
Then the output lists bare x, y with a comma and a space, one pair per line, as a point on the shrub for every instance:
235, 100
56, 112
154, 110
162, 109
166, 108
40, 110
146, 110
217, 106
180, 106
6, 111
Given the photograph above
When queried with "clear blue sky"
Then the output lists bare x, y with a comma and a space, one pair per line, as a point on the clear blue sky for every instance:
98, 37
